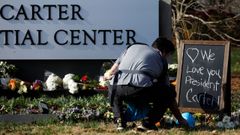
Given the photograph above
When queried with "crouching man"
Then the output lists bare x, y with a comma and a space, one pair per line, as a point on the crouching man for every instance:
140, 75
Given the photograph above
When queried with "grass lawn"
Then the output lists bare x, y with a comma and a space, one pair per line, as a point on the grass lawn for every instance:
93, 127
104, 128
235, 60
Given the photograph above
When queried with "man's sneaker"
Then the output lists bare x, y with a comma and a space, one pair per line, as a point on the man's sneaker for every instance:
146, 126
121, 125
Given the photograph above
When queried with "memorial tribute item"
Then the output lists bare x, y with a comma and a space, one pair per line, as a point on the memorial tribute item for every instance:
202, 76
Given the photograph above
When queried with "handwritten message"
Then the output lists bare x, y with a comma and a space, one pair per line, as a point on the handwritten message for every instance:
201, 79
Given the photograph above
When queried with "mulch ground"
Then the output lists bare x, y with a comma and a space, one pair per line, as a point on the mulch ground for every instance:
235, 82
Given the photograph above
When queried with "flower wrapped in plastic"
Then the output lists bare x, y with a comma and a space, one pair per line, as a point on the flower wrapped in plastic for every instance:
103, 84
23, 87
66, 79
73, 86
84, 79
14, 84
70, 84
53, 82
86, 83
37, 85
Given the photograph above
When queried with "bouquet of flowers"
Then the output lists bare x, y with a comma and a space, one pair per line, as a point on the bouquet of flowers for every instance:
69, 83
67, 78
84, 82
18, 85
72, 86
23, 87
84, 79
53, 82
103, 84
14, 84
37, 85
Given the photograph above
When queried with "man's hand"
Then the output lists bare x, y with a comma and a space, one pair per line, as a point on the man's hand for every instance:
111, 72
183, 123
107, 75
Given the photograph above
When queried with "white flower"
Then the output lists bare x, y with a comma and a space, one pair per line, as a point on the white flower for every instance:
66, 78
22, 83
170, 120
53, 82
22, 88
220, 124
51, 86
72, 86
234, 114
226, 119
229, 125
172, 66
236, 123
238, 111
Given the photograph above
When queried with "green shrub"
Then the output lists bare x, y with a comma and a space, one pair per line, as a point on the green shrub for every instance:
235, 60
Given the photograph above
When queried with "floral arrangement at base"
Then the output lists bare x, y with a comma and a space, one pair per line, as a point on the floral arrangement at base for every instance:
86, 83
103, 84
23, 87
201, 120
19, 86
73, 87
53, 82
67, 78
37, 85
69, 83
229, 122
13, 84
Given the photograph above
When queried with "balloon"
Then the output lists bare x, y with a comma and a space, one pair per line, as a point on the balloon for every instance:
189, 118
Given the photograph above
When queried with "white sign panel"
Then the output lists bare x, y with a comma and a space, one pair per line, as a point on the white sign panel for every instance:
74, 29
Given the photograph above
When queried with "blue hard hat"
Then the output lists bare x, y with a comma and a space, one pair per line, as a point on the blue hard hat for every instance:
189, 118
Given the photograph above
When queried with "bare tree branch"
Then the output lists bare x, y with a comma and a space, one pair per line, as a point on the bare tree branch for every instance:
230, 37
197, 19
203, 35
